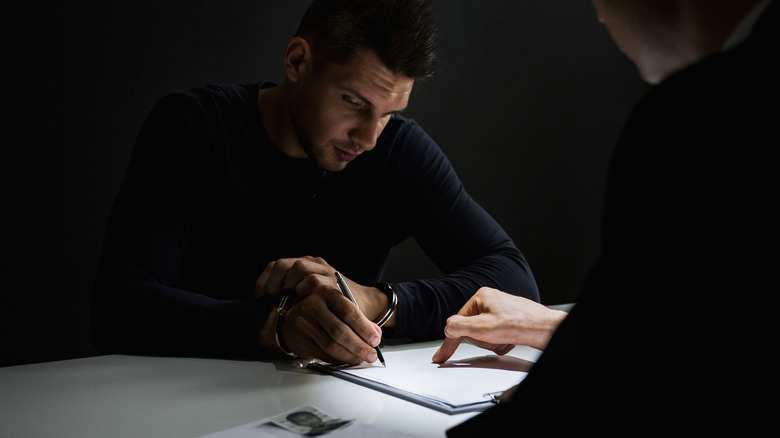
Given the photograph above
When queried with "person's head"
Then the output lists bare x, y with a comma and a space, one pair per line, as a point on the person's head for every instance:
663, 36
401, 33
350, 67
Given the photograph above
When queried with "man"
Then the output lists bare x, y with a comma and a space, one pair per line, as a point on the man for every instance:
238, 196
670, 332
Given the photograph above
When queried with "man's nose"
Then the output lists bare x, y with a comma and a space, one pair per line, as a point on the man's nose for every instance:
367, 132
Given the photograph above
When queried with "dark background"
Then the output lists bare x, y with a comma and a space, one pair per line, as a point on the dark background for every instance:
527, 103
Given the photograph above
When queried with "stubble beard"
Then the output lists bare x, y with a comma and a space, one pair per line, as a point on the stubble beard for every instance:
321, 155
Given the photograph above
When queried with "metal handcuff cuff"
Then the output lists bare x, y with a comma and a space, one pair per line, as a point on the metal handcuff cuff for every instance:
392, 302
280, 314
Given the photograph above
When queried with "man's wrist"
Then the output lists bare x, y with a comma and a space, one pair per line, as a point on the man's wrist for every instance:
392, 303
271, 335
281, 312
387, 317
267, 341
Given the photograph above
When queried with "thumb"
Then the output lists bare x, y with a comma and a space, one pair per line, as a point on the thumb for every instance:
378, 333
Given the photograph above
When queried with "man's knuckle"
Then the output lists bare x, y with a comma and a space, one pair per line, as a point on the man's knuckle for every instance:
332, 348
339, 331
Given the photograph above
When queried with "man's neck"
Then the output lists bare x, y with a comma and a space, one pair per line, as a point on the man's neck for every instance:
714, 21
700, 29
275, 114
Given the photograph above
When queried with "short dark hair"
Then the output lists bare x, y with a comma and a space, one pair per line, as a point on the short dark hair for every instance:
401, 33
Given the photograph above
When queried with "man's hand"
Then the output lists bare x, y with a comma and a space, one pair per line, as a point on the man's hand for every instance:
306, 274
498, 321
301, 275
326, 325
323, 323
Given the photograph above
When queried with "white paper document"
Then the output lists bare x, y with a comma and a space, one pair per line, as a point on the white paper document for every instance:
463, 383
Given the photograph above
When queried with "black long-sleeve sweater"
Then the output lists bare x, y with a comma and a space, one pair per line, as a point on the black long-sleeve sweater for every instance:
208, 201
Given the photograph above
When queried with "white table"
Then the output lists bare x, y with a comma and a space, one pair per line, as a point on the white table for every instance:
134, 396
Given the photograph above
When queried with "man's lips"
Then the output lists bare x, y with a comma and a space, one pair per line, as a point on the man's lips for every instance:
345, 155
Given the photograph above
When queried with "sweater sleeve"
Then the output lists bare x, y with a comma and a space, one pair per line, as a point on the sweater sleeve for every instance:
138, 306
459, 236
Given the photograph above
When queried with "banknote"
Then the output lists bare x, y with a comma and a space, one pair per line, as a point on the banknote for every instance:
308, 420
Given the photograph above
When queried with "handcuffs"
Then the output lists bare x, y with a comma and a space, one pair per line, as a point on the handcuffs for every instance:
282, 309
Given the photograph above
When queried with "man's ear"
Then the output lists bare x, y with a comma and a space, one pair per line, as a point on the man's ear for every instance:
297, 58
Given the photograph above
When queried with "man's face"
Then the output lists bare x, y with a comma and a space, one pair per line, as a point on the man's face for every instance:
340, 110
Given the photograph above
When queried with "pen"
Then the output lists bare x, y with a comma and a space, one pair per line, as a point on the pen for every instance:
348, 293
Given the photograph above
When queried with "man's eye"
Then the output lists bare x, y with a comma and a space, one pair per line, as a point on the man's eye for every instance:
351, 101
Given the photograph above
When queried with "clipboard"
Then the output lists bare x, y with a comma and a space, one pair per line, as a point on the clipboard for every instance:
494, 374
428, 402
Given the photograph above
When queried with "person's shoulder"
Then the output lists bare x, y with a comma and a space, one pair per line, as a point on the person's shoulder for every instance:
402, 133
210, 102
400, 125
404, 143
216, 93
